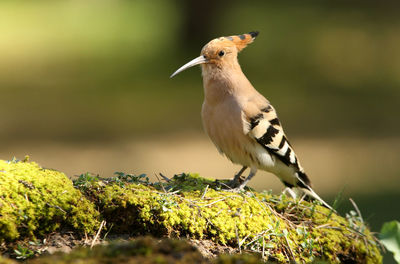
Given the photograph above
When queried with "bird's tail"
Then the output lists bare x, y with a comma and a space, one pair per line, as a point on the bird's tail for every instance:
305, 186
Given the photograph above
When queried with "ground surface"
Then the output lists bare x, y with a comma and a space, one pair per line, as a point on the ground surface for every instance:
185, 206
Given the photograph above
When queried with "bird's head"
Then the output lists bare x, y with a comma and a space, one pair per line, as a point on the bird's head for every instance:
220, 51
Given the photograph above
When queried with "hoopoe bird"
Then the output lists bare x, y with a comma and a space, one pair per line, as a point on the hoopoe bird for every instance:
241, 122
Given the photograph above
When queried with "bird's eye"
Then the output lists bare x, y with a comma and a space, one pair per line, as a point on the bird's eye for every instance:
221, 53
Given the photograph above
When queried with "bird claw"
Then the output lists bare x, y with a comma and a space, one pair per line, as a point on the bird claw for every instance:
235, 186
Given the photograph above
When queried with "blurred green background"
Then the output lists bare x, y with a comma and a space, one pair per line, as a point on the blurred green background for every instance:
84, 85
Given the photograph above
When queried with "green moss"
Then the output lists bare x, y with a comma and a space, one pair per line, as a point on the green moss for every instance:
34, 201
275, 225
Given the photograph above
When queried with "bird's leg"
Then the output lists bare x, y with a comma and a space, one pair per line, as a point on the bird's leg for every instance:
252, 173
235, 182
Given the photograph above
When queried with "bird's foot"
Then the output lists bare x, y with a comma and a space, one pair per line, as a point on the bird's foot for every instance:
233, 184
237, 180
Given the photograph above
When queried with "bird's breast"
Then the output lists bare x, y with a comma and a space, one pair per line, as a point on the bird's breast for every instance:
224, 124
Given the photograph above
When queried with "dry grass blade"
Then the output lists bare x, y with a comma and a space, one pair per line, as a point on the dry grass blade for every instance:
97, 234
238, 239
290, 250
263, 248
357, 210
204, 193
219, 200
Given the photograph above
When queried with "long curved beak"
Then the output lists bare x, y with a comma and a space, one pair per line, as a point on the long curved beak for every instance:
199, 60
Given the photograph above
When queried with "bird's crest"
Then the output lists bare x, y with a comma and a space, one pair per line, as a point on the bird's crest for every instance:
241, 41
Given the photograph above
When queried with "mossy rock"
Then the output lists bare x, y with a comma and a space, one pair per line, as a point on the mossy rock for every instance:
281, 229
35, 201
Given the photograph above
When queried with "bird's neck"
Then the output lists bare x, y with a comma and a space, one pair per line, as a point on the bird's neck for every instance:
221, 83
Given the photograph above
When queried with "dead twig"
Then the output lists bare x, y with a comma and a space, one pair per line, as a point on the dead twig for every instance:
263, 249
57, 207
357, 210
109, 230
214, 202
290, 249
204, 193
226, 185
238, 239
86, 239
243, 240
256, 237
98, 233
327, 226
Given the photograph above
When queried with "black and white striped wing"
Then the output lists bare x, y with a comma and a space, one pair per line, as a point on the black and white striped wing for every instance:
267, 131
266, 128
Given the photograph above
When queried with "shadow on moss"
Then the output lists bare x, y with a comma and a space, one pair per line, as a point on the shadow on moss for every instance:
141, 250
